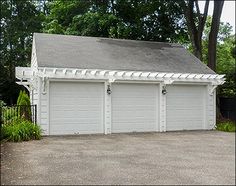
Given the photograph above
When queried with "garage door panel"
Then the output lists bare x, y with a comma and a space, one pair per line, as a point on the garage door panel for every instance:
187, 120
81, 112
140, 120
185, 107
179, 101
76, 107
185, 113
131, 111
134, 107
69, 129
82, 102
192, 126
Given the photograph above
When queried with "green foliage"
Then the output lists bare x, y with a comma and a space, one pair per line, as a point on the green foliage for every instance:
9, 114
19, 20
2, 103
62, 13
53, 27
94, 24
23, 98
24, 109
225, 60
156, 20
226, 65
19, 98
20, 130
226, 125
225, 30
228, 89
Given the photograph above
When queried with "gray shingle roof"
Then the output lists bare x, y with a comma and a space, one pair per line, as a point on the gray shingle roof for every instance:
61, 51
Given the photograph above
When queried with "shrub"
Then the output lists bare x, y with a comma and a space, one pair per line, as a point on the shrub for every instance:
24, 109
2, 103
9, 114
20, 130
226, 125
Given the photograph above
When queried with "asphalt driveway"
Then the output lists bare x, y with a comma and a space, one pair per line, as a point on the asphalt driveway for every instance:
197, 157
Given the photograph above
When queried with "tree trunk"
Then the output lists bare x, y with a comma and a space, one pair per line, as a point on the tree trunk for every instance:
218, 6
112, 7
198, 49
195, 28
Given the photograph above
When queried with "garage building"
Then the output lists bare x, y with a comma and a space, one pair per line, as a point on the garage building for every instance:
88, 85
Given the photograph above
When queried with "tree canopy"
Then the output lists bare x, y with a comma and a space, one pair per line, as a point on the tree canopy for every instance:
19, 20
225, 55
155, 20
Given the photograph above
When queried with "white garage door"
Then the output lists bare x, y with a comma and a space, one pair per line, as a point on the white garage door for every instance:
185, 107
76, 108
134, 107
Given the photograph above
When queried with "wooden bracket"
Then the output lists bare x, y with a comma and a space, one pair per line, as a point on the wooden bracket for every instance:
44, 79
211, 89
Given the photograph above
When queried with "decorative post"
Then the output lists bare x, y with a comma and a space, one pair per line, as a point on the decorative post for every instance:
107, 110
162, 107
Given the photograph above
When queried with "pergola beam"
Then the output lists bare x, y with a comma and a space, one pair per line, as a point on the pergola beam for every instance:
28, 73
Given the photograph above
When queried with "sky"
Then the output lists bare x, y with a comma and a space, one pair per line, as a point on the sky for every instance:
228, 12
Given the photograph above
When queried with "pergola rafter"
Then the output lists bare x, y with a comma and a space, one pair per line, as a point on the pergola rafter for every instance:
25, 73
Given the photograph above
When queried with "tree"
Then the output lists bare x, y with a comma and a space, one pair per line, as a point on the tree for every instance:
24, 109
95, 24
218, 6
195, 23
156, 20
226, 65
61, 14
19, 19
225, 57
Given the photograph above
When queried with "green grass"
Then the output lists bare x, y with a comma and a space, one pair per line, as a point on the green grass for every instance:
226, 125
20, 130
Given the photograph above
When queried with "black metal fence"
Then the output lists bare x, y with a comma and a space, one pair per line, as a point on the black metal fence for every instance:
9, 114
228, 108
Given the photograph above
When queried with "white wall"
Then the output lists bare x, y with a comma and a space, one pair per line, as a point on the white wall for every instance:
34, 93
43, 107
211, 110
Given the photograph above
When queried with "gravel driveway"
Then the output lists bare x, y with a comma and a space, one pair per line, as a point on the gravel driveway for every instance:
196, 157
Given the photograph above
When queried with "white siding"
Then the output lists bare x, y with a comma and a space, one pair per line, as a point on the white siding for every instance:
211, 110
107, 109
185, 107
76, 108
44, 108
162, 108
35, 97
134, 107
35, 92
